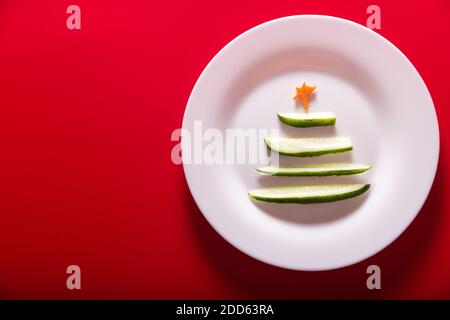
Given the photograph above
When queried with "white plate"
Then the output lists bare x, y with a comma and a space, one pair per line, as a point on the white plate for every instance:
380, 101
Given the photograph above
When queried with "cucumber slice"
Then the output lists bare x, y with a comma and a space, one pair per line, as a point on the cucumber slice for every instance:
306, 120
308, 147
309, 194
320, 169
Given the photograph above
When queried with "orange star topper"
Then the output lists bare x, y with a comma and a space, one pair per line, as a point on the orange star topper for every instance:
303, 93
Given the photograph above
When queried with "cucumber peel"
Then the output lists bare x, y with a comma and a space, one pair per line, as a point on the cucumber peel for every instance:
308, 147
309, 194
320, 169
306, 120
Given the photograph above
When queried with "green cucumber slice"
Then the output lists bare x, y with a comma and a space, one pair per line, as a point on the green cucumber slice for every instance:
306, 120
309, 194
320, 169
308, 147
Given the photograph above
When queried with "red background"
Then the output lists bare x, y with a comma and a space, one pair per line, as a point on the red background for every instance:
85, 171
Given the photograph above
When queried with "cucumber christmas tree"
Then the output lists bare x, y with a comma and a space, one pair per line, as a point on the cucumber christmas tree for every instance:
310, 147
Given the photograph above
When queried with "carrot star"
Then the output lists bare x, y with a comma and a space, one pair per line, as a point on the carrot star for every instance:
303, 93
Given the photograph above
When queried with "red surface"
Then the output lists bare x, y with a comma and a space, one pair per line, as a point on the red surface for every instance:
85, 169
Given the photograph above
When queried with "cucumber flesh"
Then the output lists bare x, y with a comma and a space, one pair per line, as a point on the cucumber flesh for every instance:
306, 120
308, 147
309, 194
320, 169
